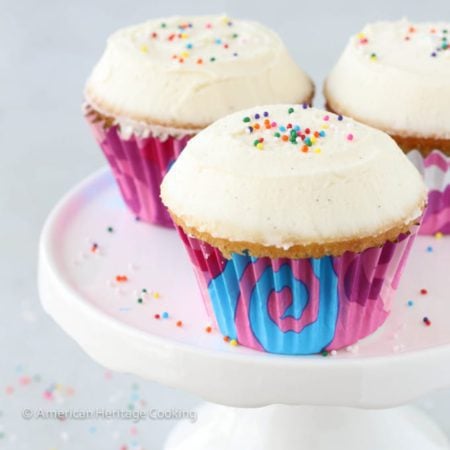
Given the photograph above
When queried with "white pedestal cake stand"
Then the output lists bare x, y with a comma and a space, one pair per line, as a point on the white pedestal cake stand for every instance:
105, 278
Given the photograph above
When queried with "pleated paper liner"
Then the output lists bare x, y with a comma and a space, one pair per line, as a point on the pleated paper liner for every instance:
139, 165
435, 169
298, 306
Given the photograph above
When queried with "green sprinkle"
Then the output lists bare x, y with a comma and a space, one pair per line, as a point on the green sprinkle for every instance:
212, 59
255, 142
110, 229
277, 134
163, 25
235, 35
290, 110
246, 119
325, 353
139, 300
144, 291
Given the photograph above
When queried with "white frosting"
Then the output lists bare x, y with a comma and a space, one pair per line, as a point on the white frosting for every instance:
187, 72
396, 76
352, 182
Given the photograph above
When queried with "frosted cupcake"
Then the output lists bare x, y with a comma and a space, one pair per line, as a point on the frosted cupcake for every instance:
298, 223
159, 83
395, 76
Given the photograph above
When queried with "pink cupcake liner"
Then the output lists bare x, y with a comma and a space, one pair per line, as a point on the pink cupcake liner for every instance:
435, 168
298, 306
139, 166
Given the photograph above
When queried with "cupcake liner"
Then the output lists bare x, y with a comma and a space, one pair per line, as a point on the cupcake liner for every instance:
298, 306
139, 165
435, 169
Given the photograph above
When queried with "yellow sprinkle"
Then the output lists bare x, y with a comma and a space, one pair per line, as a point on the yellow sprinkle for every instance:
184, 54
234, 342
373, 57
325, 126
439, 235
144, 48
156, 295
313, 139
360, 35
317, 150
259, 146
184, 35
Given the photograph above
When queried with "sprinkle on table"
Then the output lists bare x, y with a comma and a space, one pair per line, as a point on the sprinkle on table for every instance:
121, 278
423, 291
426, 321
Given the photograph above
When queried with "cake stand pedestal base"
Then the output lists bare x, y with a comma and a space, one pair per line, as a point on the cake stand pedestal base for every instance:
307, 427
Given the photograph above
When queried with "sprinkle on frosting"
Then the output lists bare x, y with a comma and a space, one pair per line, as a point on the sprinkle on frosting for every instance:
431, 40
196, 41
264, 130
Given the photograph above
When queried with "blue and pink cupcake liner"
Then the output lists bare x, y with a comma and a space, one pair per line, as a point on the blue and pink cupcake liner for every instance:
298, 306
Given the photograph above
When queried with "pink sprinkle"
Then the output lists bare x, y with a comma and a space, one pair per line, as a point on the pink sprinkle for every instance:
24, 380
48, 395
326, 118
9, 390
273, 124
350, 137
208, 25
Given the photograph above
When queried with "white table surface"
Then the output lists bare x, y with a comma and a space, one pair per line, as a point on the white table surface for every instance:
47, 50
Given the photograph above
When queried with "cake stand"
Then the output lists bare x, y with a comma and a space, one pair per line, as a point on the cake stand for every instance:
124, 290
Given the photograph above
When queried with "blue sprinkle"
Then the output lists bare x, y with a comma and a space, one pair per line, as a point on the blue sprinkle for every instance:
282, 128
218, 41
322, 133
410, 303
265, 114
305, 105
189, 46
165, 315
430, 249
434, 54
340, 117
297, 128
257, 116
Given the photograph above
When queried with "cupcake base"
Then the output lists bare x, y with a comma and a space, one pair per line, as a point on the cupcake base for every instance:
298, 306
139, 165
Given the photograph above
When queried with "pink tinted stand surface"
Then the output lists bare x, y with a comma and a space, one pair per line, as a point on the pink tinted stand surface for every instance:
105, 279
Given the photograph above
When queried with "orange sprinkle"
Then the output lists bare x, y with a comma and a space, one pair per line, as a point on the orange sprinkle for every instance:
208, 329
284, 137
121, 278
179, 323
316, 134
305, 149
199, 61
256, 126
226, 338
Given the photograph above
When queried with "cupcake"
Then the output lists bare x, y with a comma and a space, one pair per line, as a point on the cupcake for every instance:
161, 82
298, 223
395, 76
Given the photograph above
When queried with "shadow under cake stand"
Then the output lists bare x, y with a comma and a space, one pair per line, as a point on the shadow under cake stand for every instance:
125, 291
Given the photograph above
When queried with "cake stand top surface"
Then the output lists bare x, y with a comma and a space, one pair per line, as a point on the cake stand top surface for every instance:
125, 291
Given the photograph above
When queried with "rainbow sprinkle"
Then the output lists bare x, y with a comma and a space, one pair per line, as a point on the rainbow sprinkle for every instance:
307, 139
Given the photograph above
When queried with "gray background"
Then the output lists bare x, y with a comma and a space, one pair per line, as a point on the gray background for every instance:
47, 50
